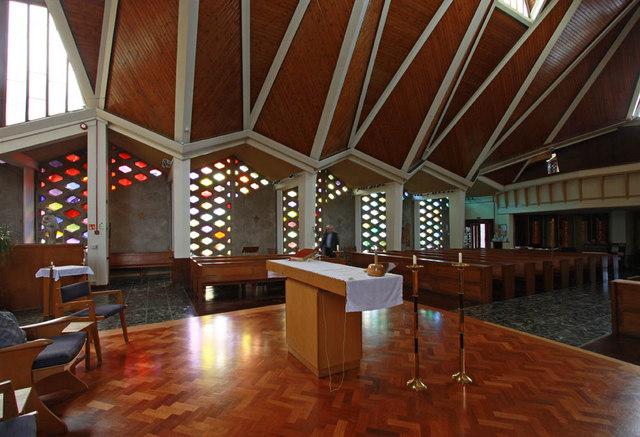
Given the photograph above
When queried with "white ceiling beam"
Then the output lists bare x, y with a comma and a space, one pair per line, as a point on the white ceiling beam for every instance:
367, 76
213, 144
493, 184
141, 134
294, 24
59, 18
106, 47
594, 76
562, 77
185, 68
401, 70
525, 86
245, 11
522, 169
445, 175
281, 151
18, 159
479, 20
634, 106
505, 60
339, 74
377, 166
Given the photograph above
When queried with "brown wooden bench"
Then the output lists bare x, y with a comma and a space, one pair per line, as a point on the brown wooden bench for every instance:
230, 270
142, 260
625, 307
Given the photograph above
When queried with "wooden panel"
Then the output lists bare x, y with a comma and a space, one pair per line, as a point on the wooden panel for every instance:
533, 131
406, 20
269, 22
390, 136
500, 35
21, 289
217, 88
589, 20
460, 148
345, 112
85, 22
143, 64
625, 307
294, 107
611, 93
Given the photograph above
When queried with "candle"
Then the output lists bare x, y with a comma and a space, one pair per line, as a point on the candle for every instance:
338, 248
415, 261
460, 257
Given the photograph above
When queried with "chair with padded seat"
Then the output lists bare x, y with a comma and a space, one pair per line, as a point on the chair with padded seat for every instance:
81, 292
42, 358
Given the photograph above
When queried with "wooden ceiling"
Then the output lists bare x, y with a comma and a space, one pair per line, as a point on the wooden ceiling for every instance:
431, 93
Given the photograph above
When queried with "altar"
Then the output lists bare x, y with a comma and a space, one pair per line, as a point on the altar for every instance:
323, 311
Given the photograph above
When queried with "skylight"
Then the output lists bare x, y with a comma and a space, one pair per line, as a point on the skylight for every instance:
527, 9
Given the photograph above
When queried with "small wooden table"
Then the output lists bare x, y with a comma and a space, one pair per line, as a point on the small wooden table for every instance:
91, 328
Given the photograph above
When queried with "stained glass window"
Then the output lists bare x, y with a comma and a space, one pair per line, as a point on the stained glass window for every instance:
62, 192
433, 215
328, 188
290, 220
213, 188
126, 169
373, 216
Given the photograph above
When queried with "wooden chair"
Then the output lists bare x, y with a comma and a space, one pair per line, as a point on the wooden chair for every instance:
14, 421
45, 364
81, 292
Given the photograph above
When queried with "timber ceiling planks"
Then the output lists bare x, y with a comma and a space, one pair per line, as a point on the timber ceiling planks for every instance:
217, 88
85, 21
293, 109
142, 85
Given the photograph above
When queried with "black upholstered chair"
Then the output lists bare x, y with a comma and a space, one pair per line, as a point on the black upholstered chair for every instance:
81, 291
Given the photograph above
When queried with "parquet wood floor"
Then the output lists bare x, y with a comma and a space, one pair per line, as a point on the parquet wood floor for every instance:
230, 374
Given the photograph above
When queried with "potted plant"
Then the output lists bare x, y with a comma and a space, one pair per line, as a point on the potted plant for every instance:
5, 243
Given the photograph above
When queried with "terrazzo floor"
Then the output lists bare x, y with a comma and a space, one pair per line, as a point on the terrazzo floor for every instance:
573, 316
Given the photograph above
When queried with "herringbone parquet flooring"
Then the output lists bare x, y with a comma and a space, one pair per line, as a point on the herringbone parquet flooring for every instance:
230, 374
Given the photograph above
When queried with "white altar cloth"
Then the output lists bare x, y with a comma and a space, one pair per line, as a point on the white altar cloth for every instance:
60, 271
363, 292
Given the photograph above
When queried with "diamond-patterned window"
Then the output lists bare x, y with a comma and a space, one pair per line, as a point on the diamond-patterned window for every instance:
328, 188
58, 182
123, 163
373, 218
433, 214
290, 221
213, 189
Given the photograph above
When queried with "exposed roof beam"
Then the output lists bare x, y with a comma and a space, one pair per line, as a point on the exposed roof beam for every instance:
294, 24
185, 68
213, 144
634, 105
20, 160
59, 18
106, 46
281, 151
522, 169
367, 77
525, 86
401, 70
445, 175
339, 74
378, 166
245, 11
562, 77
490, 78
479, 21
594, 76
493, 184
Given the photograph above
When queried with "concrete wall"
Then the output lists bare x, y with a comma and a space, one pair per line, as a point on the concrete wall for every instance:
479, 208
11, 200
140, 216
341, 213
253, 221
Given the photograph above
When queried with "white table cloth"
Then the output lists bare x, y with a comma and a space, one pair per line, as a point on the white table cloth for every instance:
363, 292
60, 271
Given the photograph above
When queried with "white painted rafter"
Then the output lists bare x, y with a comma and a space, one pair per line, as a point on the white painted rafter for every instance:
339, 74
525, 86
106, 47
594, 76
185, 68
634, 106
490, 78
445, 175
480, 18
294, 24
380, 167
401, 70
522, 169
59, 18
367, 76
562, 77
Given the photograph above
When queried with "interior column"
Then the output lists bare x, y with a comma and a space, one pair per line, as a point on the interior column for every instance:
456, 219
180, 205
393, 193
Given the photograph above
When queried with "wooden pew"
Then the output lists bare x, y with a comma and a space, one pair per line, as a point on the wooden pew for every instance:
141, 260
438, 276
230, 270
625, 307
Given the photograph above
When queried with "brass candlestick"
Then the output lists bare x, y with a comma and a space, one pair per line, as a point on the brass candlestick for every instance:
461, 376
416, 383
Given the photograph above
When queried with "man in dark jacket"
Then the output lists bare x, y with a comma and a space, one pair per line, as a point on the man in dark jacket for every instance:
330, 242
